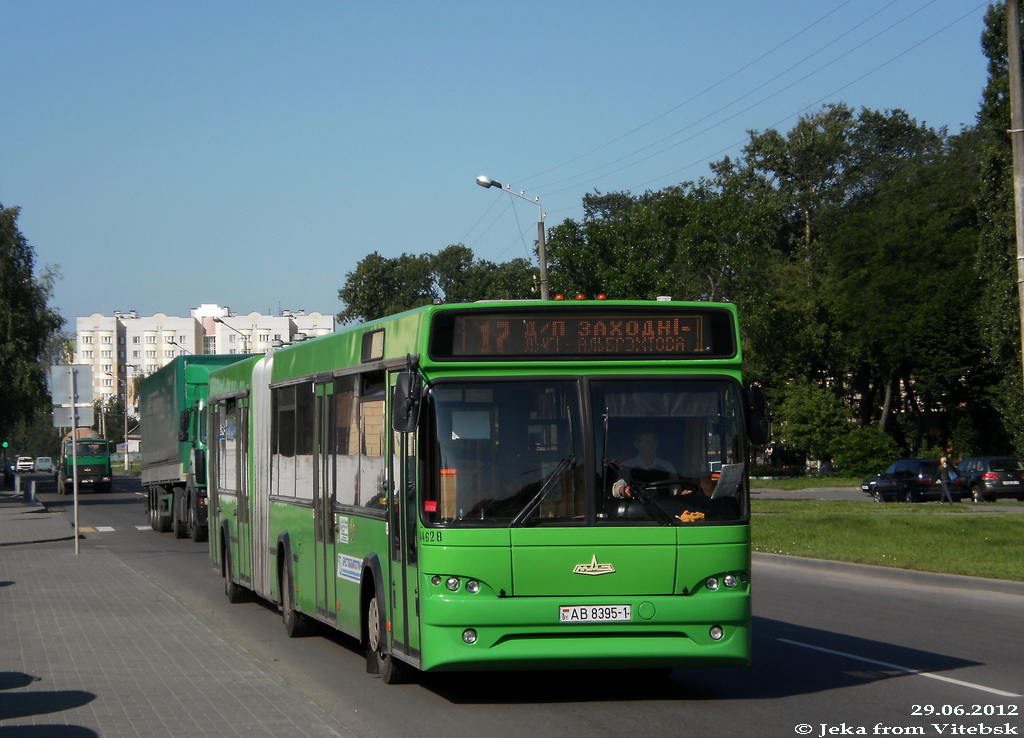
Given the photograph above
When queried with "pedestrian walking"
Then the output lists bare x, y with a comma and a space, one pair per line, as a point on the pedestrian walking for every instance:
947, 473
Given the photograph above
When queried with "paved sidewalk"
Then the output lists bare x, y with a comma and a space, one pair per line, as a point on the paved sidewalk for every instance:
80, 659
28, 521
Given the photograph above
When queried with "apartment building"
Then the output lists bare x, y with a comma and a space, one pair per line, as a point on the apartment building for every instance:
125, 346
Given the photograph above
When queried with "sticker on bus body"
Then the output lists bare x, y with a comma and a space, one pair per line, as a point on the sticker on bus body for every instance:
350, 568
595, 614
341, 525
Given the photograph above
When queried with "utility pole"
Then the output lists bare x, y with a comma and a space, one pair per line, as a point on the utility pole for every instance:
1017, 143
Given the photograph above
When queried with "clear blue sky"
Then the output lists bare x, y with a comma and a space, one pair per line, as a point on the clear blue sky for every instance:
252, 153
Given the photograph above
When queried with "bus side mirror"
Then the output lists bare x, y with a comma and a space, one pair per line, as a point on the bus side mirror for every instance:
758, 422
405, 403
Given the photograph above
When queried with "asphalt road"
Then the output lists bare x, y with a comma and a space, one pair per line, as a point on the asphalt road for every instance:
835, 650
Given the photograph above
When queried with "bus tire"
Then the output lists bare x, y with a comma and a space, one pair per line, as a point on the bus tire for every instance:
378, 661
177, 519
296, 625
232, 589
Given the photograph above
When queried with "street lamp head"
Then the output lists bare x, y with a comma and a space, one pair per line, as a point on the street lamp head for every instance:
485, 181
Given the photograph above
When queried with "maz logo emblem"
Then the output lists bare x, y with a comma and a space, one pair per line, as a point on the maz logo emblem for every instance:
593, 568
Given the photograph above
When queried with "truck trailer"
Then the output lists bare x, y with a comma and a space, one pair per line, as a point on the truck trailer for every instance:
172, 418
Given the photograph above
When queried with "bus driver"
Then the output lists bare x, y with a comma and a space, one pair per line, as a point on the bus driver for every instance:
645, 462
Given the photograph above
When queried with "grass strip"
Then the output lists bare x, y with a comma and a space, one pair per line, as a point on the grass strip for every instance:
954, 539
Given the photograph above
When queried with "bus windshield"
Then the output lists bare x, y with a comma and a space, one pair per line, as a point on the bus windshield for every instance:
652, 451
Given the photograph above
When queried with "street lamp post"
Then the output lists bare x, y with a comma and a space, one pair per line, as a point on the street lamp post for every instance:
246, 340
125, 383
542, 252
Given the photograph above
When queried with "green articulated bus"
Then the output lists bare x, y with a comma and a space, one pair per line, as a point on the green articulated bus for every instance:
497, 485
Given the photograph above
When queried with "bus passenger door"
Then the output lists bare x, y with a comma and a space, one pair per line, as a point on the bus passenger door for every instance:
402, 531
323, 505
243, 562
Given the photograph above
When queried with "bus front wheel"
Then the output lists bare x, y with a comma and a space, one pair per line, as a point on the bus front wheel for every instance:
378, 661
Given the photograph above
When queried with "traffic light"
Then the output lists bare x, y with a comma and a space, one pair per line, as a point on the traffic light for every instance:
6, 444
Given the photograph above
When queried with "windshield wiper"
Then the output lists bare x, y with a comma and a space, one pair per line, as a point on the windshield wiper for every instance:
531, 506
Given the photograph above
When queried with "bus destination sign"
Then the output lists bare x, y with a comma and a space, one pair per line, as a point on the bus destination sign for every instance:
594, 333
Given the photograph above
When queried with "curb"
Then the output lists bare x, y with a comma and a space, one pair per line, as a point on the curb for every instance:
910, 576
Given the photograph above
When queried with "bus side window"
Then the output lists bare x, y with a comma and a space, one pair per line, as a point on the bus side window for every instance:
346, 444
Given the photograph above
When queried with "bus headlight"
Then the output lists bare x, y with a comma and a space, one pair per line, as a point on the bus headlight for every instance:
472, 586
716, 632
729, 580
469, 635
711, 584
452, 584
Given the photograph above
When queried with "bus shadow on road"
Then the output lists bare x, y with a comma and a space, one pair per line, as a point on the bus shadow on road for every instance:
788, 660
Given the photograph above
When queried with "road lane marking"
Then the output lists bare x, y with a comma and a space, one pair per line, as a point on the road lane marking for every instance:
904, 669
104, 529
143, 527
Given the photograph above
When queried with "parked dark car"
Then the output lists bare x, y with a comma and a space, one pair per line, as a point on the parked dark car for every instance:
989, 478
910, 480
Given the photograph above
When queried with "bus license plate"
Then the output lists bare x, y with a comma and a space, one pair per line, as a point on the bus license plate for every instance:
595, 614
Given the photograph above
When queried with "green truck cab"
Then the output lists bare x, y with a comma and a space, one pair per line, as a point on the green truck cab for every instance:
93, 463
172, 409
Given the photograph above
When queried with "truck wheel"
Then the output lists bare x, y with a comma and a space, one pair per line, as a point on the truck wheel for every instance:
195, 530
163, 522
177, 516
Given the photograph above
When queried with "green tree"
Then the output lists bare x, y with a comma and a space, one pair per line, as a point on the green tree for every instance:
624, 251
811, 418
896, 275
864, 451
379, 286
995, 260
27, 324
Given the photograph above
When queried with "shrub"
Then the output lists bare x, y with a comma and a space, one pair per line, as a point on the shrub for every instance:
865, 451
